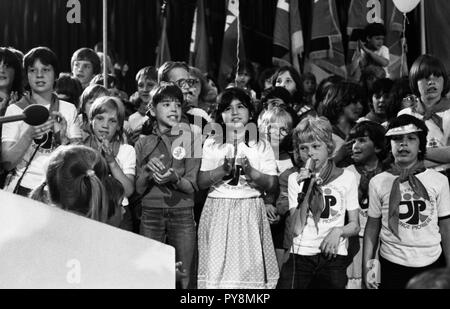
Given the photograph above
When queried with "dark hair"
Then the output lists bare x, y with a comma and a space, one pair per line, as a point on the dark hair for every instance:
404, 120
266, 74
44, 55
438, 278
244, 66
166, 67
89, 94
374, 131
70, 87
87, 54
277, 92
339, 96
374, 29
380, 87
10, 59
205, 88
423, 67
400, 89
297, 95
227, 96
165, 91
147, 73
324, 86
111, 80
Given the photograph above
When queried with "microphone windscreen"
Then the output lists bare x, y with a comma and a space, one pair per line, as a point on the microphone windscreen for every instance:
36, 114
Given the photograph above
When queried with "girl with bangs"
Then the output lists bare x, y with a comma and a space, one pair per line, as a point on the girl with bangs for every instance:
235, 244
277, 124
106, 117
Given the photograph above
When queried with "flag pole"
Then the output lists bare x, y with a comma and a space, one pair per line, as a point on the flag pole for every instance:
105, 43
423, 37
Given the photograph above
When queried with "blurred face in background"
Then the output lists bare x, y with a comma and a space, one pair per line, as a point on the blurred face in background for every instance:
285, 80
144, 86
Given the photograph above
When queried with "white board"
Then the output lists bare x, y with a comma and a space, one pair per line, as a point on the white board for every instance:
45, 247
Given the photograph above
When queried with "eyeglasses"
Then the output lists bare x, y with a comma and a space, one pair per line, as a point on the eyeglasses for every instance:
190, 82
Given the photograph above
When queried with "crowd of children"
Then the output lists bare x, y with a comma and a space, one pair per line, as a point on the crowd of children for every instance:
277, 184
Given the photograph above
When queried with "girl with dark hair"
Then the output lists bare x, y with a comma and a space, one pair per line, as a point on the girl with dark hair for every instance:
289, 78
234, 232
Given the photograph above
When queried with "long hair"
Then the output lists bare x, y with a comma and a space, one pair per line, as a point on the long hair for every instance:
423, 67
10, 59
75, 179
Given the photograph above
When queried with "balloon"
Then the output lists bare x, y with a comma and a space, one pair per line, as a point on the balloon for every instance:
406, 6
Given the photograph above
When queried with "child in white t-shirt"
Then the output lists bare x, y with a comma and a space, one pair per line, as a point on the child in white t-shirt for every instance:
368, 151
318, 254
234, 240
372, 51
409, 211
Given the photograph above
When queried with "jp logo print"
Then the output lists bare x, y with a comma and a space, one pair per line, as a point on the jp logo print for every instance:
331, 202
413, 212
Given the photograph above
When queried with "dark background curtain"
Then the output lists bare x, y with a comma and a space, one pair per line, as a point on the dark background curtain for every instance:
134, 28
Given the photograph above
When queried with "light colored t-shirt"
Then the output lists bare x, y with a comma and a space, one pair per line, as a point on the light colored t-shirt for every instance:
283, 165
13, 130
260, 156
436, 137
135, 122
383, 52
419, 243
126, 159
340, 195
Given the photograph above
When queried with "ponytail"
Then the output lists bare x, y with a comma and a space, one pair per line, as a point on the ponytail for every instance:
98, 202
40, 194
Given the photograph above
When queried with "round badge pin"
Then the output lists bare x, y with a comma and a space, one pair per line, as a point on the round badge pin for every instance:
179, 153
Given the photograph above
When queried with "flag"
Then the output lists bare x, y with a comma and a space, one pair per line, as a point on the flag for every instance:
437, 21
287, 35
162, 50
199, 48
326, 55
361, 13
231, 39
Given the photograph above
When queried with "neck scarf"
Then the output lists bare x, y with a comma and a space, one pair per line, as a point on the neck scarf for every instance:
395, 196
363, 188
313, 200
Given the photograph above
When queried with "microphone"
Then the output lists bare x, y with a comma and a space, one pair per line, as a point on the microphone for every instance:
310, 165
33, 115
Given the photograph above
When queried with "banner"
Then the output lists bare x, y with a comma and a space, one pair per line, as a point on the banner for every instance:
437, 27
326, 56
287, 35
363, 12
230, 52
199, 48
163, 50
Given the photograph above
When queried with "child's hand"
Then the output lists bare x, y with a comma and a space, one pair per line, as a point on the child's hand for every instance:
272, 214
36, 132
107, 151
228, 165
60, 123
180, 273
303, 174
170, 176
330, 244
155, 165
370, 275
249, 171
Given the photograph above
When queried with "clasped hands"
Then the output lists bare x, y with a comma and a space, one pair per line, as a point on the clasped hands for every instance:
251, 174
160, 173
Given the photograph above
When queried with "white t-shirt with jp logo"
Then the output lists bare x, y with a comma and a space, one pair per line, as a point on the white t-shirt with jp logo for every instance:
340, 195
419, 243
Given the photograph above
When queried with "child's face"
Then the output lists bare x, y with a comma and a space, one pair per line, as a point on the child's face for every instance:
277, 132
194, 91
405, 149
431, 88
83, 70
106, 124
379, 101
242, 79
275, 102
6, 76
363, 150
309, 86
144, 87
167, 113
236, 113
285, 80
375, 42
352, 112
41, 77
317, 150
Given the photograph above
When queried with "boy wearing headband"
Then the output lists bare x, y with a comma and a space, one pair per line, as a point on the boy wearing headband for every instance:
409, 211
